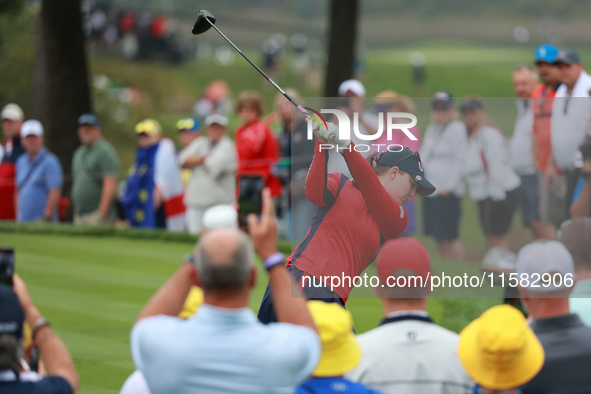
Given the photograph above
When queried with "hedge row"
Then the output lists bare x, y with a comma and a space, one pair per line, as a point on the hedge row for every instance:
67, 229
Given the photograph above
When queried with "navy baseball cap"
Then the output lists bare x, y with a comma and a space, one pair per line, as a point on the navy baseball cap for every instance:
409, 161
11, 313
546, 53
444, 99
568, 56
89, 119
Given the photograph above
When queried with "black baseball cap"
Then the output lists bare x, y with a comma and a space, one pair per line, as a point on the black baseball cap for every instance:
11, 313
89, 119
568, 56
409, 161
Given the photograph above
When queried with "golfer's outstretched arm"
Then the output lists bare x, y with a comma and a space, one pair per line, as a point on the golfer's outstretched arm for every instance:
321, 187
388, 214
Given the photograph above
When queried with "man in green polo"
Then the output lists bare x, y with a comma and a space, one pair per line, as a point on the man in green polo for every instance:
94, 168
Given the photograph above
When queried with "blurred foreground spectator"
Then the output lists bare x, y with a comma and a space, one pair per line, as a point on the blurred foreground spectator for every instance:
94, 168
38, 177
219, 216
12, 120
340, 352
15, 309
524, 83
443, 152
408, 352
153, 195
500, 352
213, 181
581, 203
223, 347
257, 146
487, 169
575, 235
566, 340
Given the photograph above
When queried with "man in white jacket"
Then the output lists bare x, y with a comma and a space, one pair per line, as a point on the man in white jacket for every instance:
570, 119
522, 158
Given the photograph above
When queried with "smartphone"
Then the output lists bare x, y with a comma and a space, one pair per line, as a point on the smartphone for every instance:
250, 197
6, 265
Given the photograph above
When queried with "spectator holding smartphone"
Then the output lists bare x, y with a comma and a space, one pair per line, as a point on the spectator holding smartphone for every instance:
15, 307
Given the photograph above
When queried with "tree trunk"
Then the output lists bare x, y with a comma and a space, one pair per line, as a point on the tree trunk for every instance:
341, 44
39, 85
68, 94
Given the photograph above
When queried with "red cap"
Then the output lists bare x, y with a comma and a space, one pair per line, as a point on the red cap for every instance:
403, 253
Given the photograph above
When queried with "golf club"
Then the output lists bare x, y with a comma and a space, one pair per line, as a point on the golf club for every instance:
206, 20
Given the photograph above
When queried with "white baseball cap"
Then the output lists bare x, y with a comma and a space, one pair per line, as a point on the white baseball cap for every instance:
544, 257
32, 127
354, 86
12, 112
217, 119
220, 216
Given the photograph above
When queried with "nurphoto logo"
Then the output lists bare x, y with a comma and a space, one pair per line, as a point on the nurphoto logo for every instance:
345, 126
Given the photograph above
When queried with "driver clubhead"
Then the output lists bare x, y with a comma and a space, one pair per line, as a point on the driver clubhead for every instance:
203, 23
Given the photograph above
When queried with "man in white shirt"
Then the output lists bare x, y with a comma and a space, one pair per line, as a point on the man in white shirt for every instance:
570, 119
521, 145
223, 348
213, 160
408, 352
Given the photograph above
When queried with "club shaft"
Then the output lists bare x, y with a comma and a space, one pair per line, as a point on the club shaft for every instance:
299, 107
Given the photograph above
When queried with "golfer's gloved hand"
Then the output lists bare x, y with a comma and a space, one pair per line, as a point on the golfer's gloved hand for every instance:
332, 135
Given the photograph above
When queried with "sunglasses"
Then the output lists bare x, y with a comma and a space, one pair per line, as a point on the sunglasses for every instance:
407, 157
144, 128
185, 124
378, 155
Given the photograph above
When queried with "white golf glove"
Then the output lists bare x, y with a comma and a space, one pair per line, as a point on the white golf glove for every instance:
331, 134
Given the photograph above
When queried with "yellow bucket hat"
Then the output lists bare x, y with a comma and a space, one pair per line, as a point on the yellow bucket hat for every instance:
148, 126
340, 350
499, 350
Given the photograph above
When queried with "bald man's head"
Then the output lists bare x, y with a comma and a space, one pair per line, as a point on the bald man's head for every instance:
224, 259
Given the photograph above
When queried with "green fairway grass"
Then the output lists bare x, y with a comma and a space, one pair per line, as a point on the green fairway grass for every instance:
92, 289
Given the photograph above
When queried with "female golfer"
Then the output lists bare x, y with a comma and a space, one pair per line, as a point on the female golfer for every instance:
353, 218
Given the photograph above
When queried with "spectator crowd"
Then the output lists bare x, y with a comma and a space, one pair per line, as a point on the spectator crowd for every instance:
543, 169
197, 333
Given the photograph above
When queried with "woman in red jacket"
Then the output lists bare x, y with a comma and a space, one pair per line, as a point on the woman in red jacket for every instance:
258, 149
353, 218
